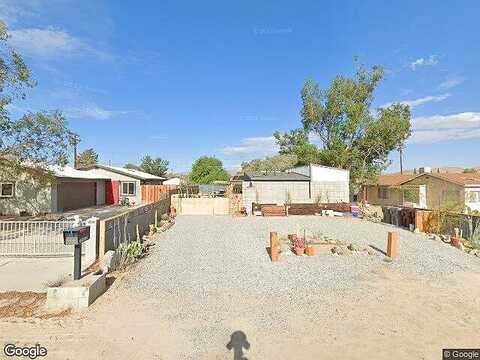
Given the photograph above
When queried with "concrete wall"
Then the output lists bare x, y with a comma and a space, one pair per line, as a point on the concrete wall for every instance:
326, 174
320, 173
201, 206
304, 170
30, 197
274, 192
102, 173
330, 191
123, 228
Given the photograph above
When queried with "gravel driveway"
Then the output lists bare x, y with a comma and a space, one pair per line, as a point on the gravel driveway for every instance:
209, 291
217, 272
203, 253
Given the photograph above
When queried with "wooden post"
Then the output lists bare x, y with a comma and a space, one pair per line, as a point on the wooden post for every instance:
274, 246
273, 239
392, 245
419, 220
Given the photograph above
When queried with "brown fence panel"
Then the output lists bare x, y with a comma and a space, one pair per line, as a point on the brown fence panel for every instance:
153, 193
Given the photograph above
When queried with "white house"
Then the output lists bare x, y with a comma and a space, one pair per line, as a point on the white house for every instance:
172, 181
123, 183
302, 184
72, 189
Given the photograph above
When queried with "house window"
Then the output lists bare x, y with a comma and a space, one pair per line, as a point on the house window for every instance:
473, 196
383, 193
6, 189
411, 195
128, 188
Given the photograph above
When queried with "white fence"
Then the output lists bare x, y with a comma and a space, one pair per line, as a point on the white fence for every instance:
34, 238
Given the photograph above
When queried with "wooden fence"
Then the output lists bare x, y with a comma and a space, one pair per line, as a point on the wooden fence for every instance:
153, 193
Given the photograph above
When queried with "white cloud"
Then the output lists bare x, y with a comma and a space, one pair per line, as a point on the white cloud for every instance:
421, 101
11, 11
451, 82
430, 61
50, 42
93, 112
440, 128
253, 146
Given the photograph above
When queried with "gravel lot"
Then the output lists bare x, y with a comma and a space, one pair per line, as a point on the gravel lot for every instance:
209, 277
210, 254
217, 271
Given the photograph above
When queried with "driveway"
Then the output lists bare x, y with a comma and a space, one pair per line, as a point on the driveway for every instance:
32, 274
209, 291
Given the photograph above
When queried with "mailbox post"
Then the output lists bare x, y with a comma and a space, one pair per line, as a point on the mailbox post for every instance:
76, 236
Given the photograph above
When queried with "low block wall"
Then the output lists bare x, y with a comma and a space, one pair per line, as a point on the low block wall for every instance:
201, 206
123, 228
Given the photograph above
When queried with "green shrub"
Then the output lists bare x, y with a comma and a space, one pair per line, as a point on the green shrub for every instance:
129, 253
164, 217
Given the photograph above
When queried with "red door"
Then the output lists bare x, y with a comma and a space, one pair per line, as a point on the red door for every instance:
112, 194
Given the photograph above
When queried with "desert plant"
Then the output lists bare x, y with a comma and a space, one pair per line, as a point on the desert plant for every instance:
448, 217
129, 253
164, 217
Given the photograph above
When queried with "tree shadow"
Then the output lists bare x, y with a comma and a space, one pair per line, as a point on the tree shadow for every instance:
238, 342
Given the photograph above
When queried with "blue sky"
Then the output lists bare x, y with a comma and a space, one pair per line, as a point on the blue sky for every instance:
180, 79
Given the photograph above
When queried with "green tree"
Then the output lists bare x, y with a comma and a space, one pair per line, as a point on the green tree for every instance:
273, 163
156, 166
207, 169
35, 141
87, 158
351, 135
132, 166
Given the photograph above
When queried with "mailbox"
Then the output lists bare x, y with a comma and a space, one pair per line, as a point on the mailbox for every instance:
76, 235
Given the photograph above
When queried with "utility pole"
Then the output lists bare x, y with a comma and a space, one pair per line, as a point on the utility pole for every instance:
74, 140
400, 150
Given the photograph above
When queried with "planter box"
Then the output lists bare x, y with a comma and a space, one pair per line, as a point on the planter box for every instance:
77, 293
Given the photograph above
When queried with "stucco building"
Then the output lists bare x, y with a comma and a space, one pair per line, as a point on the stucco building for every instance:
426, 190
303, 184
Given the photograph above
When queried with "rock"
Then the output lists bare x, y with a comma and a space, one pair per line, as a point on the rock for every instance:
475, 252
445, 239
353, 247
110, 260
338, 250
434, 237
460, 247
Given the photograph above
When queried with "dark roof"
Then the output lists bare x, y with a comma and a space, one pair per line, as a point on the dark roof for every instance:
275, 176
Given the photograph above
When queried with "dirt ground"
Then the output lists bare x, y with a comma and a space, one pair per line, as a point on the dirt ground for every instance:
391, 317
386, 314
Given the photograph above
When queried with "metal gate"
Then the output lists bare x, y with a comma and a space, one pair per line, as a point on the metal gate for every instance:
34, 238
